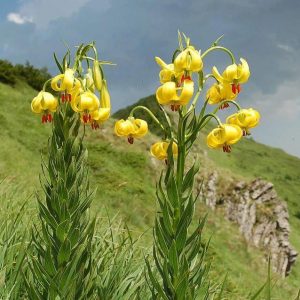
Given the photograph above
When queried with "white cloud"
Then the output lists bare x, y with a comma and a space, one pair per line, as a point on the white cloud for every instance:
284, 102
18, 19
286, 48
43, 12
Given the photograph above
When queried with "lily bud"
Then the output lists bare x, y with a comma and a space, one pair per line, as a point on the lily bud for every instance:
97, 75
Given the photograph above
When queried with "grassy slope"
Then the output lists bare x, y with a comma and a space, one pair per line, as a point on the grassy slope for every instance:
125, 177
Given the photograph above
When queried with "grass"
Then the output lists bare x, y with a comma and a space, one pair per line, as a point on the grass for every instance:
125, 179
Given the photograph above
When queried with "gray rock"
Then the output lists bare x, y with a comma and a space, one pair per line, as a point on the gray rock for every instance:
261, 215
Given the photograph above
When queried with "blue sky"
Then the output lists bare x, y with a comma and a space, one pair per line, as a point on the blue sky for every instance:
132, 32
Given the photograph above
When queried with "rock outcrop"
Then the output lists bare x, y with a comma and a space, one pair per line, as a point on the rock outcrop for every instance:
261, 215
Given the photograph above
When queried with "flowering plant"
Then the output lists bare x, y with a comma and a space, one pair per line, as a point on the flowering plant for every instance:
178, 249
61, 256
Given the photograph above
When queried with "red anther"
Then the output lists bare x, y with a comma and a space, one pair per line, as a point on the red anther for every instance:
239, 88
234, 88
244, 132
175, 107
223, 106
130, 140
69, 97
182, 79
49, 117
43, 119
63, 97
224, 148
89, 117
166, 162
85, 118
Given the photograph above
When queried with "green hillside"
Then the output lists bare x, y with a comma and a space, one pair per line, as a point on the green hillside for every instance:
125, 179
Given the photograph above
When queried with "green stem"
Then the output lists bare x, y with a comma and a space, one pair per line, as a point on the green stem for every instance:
46, 83
140, 107
195, 100
181, 154
210, 116
219, 48
219, 106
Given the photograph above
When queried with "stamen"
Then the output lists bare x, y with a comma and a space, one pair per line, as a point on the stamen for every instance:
175, 107
225, 105
130, 140
95, 125
63, 98
184, 77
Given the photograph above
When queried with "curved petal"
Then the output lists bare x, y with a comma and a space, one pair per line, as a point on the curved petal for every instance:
231, 73
88, 101
157, 150
141, 128
68, 79
216, 74
124, 128
101, 115
226, 92
245, 71
233, 133
216, 138
105, 97
187, 92
36, 104
180, 61
196, 63
48, 102
213, 94
56, 83
160, 62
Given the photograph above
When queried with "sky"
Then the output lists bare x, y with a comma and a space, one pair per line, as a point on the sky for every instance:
132, 32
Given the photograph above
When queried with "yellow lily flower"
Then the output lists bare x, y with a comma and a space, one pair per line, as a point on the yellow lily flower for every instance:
234, 74
224, 136
188, 60
219, 92
167, 94
245, 118
103, 113
85, 103
44, 103
167, 73
66, 83
131, 128
160, 150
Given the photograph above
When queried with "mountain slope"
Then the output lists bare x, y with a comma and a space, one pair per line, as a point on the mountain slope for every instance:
125, 178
